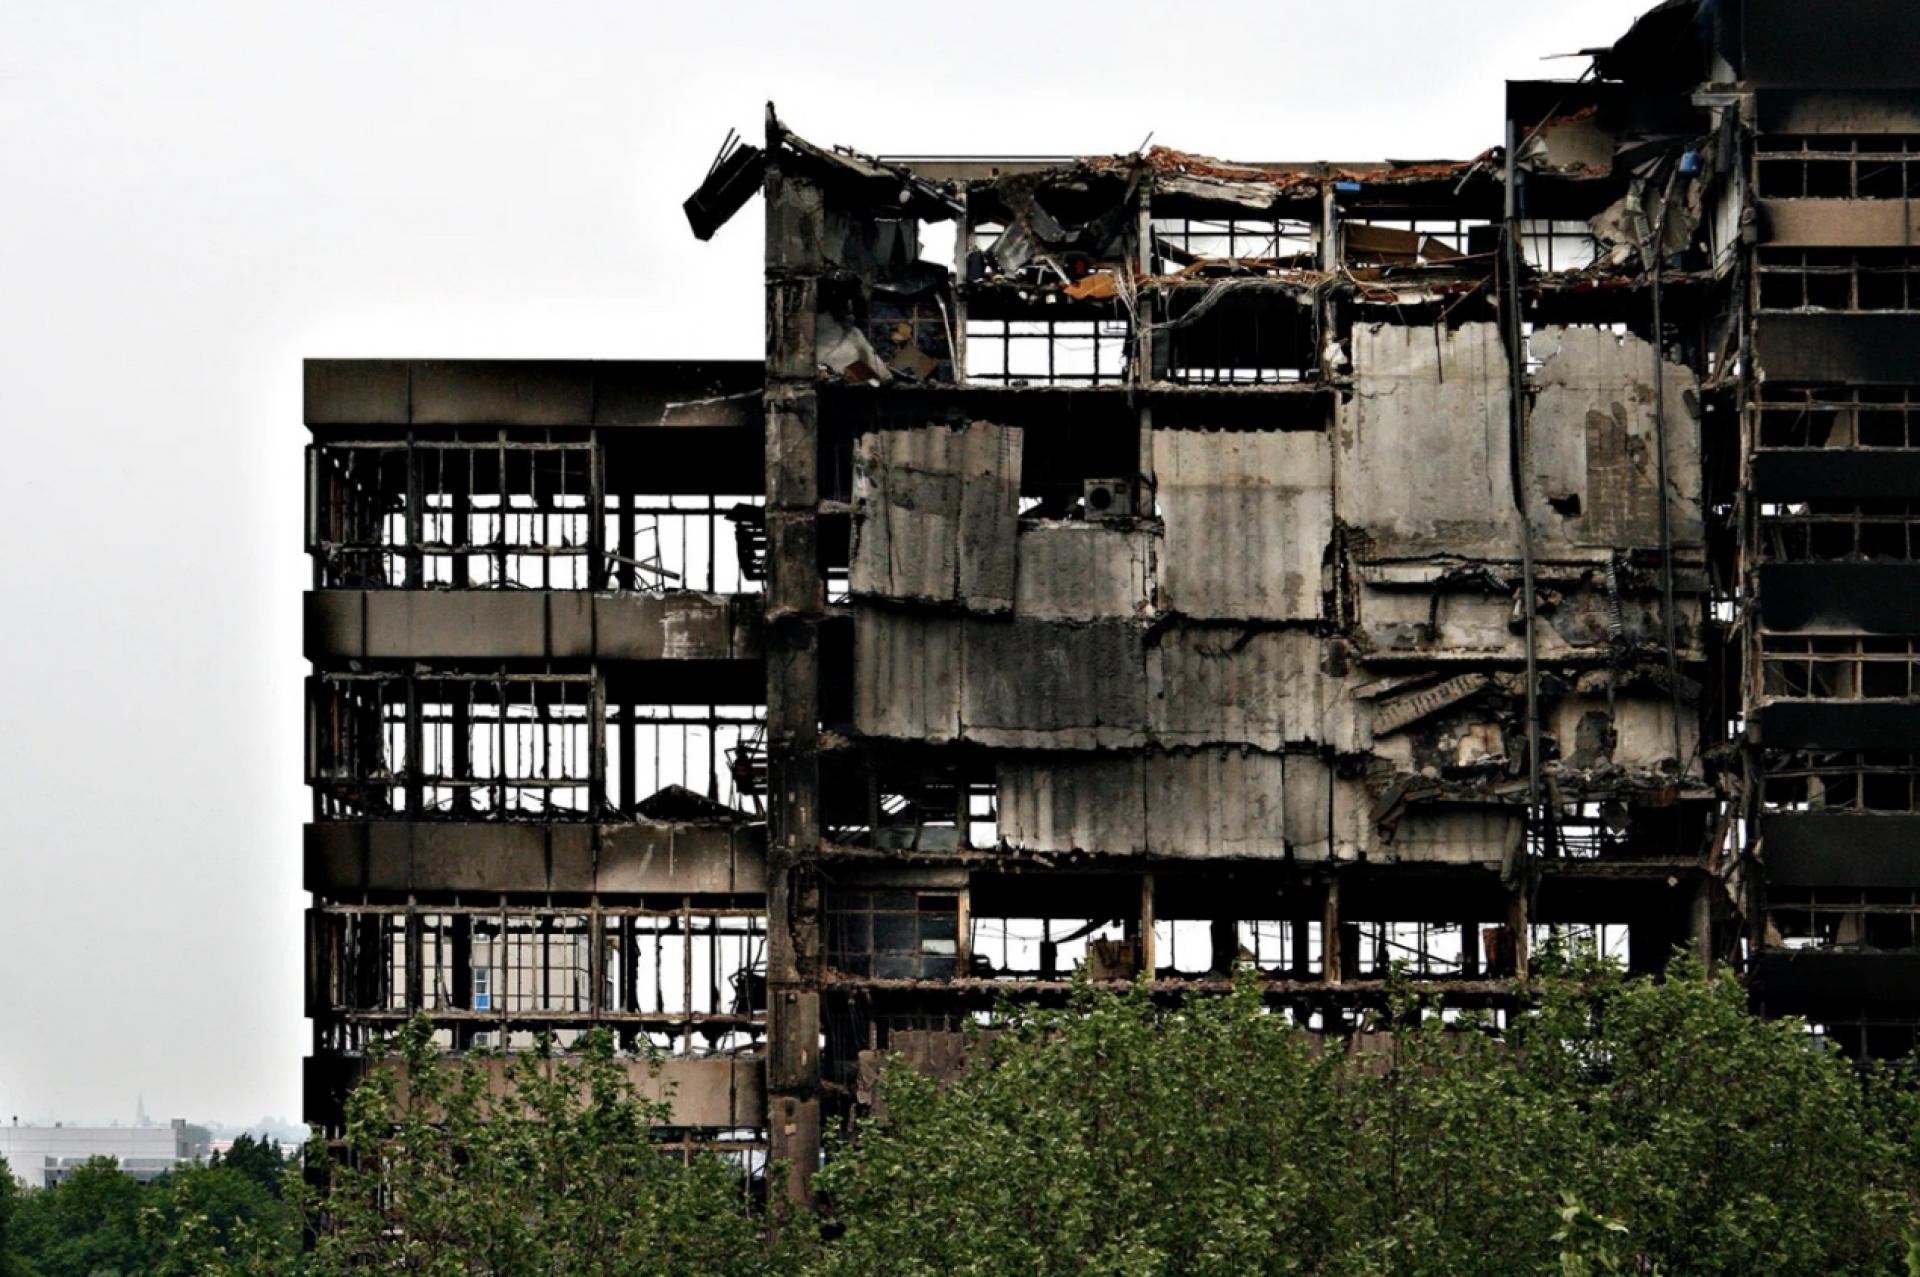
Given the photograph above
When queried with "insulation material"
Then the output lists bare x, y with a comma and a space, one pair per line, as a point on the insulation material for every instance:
1422, 455
1245, 687
1248, 517
1198, 804
1592, 443
1075, 570
936, 511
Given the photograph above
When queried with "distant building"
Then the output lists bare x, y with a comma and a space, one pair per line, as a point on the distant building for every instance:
42, 1156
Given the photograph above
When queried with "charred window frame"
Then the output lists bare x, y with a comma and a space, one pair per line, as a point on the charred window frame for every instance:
1048, 352
1841, 280
1840, 780
1826, 166
686, 974
1832, 531
497, 744
1883, 918
1180, 242
1850, 668
716, 751
894, 934
504, 513
1841, 417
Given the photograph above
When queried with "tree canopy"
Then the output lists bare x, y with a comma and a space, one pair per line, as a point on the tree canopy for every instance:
1614, 1126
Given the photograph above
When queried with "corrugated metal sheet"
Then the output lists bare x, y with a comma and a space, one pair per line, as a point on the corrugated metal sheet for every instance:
1030, 684
1071, 570
1198, 804
909, 675
1054, 686
1248, 517
1422, 459
935, 514
1226, 685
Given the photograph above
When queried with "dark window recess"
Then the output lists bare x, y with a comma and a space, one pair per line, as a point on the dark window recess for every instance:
893, 935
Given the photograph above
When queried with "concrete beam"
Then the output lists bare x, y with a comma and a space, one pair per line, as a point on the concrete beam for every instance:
531, 624
531, 392
346, 859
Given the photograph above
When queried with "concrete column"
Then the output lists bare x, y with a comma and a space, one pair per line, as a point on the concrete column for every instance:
796, 601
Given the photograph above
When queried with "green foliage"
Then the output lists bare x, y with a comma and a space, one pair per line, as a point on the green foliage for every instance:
1618, 1127
260, 1160
87, 1227
554, 1173
1623, 1126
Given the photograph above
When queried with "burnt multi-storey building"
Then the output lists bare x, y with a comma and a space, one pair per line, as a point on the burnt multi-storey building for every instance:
1143, 565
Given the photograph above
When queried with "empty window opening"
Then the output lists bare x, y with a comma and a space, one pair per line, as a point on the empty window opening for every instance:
1838, 530
1279, 243
1047, 352
507, 514
1838, 279
717, 752
459, 745
1554, 245
1879, 167
1878, 918
690, 980
1045, 948
1840, 668
1837, 416
1839, 780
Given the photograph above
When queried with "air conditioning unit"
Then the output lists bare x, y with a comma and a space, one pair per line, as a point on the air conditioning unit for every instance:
1109, 499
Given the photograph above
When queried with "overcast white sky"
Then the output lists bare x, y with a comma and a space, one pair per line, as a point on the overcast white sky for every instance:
197, 195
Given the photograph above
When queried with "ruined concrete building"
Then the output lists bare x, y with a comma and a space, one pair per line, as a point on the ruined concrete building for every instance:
1150, 563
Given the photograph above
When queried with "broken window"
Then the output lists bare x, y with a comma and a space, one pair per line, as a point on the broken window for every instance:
1277, 243
894, 935
717, 752
1837, 416
461, 513
1883, 918
696, 974
1047, 352
1835, 530
1827, 167
1840, 668
1840, 780
459, 745
691, 979
1046, 948
1838, 279
1551, 244
500, 513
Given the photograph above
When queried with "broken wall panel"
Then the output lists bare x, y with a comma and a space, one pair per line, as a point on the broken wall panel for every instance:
1189, 804
936, 513
1421, 457
1249, 515
1593, 441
